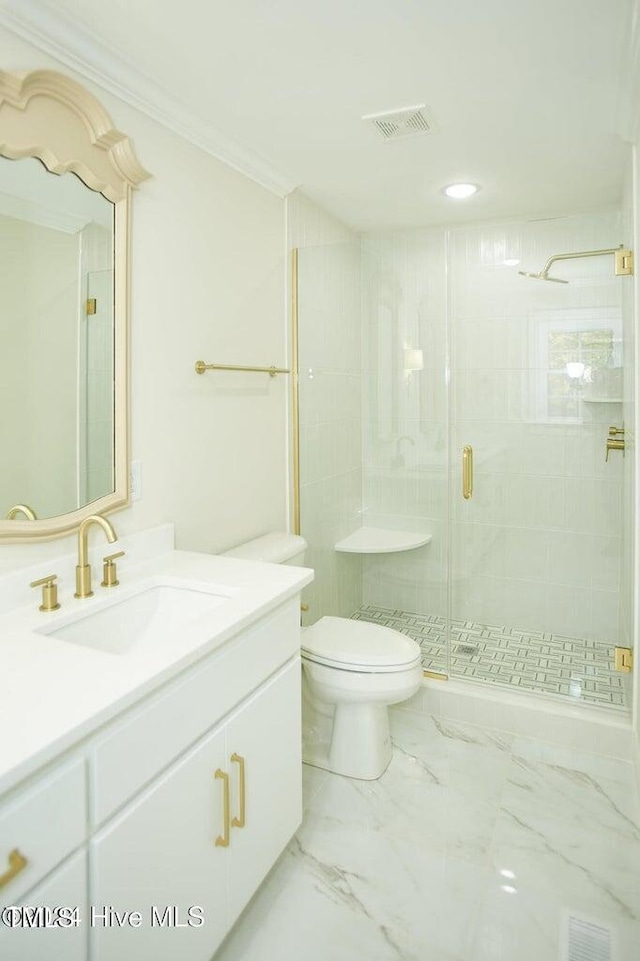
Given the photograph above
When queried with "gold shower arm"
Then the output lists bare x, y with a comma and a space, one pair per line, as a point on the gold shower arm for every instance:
623, 259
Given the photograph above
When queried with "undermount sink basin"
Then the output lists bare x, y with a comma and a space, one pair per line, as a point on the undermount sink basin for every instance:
139, 621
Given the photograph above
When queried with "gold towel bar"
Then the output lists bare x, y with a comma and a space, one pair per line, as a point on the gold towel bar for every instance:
271, 371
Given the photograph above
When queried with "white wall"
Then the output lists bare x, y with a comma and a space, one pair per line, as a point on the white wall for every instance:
208, 282
330, 403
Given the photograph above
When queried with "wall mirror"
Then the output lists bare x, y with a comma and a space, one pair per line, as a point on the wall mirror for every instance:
66, 177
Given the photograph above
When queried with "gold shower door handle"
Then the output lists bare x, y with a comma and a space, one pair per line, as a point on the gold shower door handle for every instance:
467, 472
222, 841
239, 822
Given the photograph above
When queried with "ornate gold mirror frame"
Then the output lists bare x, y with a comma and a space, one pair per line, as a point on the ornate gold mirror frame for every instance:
46, 115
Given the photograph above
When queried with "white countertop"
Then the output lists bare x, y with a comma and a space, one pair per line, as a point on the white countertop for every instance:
55, 693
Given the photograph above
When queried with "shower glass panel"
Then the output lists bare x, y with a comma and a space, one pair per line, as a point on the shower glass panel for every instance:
330, 429
405, 453
416, 344
537, 380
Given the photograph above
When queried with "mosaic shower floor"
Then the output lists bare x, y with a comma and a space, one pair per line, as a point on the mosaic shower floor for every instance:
529, 660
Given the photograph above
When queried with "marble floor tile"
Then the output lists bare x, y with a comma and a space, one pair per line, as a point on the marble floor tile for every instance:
473, 846
340, 894
442, 789
611, 768
532, 925
571, 832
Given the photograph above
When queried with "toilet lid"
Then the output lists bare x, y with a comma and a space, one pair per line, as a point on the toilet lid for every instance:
341, 642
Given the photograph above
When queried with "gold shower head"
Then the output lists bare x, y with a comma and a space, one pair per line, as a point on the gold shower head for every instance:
542, 276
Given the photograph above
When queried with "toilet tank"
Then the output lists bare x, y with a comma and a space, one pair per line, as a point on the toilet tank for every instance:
275, 548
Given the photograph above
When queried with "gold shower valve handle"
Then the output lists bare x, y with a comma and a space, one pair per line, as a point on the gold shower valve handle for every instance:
109, 570
613, 444
49, 592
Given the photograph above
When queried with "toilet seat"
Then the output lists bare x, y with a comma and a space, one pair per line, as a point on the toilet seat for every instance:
351, 645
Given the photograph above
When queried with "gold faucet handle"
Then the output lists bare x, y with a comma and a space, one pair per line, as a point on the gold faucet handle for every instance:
614, 431
109, 570
49, 592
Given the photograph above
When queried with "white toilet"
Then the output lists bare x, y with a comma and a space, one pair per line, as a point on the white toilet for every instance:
352, 672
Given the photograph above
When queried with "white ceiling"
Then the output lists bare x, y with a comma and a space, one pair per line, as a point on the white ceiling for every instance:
527, 94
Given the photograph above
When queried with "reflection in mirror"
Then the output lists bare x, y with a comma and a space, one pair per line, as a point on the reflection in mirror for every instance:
57, 327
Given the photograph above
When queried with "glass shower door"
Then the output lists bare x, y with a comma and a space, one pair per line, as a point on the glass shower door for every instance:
537, 555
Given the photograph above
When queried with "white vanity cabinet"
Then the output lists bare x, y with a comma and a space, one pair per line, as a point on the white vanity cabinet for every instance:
160, 824
43, 824
65, 887
267, 735
198, 838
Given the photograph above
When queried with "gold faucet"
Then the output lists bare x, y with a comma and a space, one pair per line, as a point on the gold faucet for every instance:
83, 569
28, 512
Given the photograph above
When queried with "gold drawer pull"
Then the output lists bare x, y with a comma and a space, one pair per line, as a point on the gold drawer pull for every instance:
240, 821
17, 863
467, 472
222, 841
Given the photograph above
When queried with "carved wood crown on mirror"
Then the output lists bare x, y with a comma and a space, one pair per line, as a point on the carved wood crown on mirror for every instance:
64, 379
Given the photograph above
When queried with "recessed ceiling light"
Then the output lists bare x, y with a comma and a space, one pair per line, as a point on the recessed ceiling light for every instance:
460, 191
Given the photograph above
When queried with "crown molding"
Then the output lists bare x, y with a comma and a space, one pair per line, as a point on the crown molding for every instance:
59, 36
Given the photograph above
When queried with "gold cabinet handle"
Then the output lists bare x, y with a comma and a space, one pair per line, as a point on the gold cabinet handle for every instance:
222, 841
17, 863
239, 822
467, 472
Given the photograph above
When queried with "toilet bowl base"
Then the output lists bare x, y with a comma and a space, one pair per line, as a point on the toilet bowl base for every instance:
356, 742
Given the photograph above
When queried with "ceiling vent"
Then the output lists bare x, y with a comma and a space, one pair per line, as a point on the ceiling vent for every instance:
406, 122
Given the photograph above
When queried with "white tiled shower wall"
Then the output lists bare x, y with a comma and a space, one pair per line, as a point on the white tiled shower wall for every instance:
539, 546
